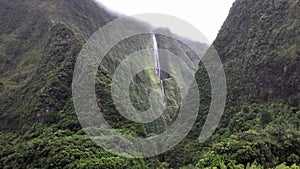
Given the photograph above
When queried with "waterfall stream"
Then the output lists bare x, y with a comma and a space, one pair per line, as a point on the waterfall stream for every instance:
157, 68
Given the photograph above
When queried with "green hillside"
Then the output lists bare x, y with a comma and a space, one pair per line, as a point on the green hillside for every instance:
258, 44
39, 44
40, 41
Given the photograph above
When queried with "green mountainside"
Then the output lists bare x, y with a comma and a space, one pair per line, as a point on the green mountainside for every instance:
258, 44
38, 51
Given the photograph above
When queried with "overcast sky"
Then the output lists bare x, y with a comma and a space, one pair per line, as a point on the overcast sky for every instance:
206, 15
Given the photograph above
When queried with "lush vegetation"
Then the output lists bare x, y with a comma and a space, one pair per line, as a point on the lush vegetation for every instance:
258, 44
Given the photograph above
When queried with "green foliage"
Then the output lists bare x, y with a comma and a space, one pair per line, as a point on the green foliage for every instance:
266, 117
59, 149
258, 47
39, 43
269, 144
258, 43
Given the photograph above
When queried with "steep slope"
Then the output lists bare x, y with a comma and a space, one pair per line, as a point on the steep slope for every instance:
259, 46
40, 41
39, 44
262, 38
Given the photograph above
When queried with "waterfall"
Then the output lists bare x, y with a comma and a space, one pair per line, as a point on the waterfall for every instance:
157, 68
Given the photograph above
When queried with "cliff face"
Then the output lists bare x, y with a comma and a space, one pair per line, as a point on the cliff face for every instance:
259, 46
39, 44
259, 43
40, 41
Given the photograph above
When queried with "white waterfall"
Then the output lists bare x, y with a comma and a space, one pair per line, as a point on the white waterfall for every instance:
157, 68
156, 57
